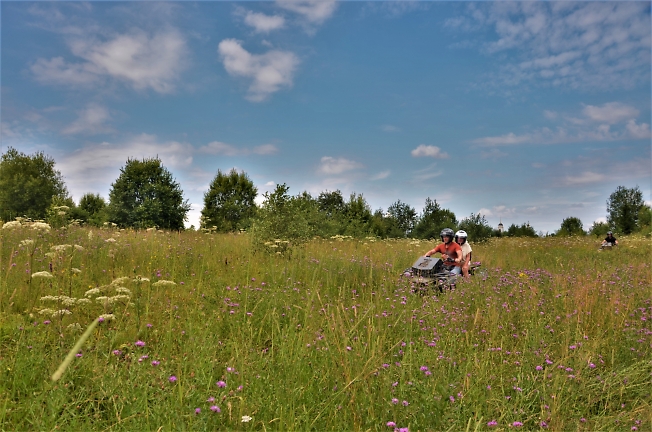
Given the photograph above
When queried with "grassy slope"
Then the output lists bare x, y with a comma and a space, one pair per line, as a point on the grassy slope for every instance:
331, 338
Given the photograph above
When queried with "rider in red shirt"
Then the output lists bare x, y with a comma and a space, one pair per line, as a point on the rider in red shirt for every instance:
451, 252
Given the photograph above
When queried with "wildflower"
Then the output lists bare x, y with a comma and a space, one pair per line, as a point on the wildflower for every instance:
452, 399
230, 369
197, 410
117, 352
210, 399
27, 242
143, 357
215, 408
591, 365
406, 403
348, 348
79, 354
92, 291
106, 317
403, 430
42, 274
110, 240
538, 368
391, 424
172, 379
155, 363
240, 388
123, 290
394, 401
139, 343
11, 225
543, 424
46, 322
246, 419
39, 226
517, 424
221, 384
423, 368
163, 283
75, 327
149, 325
427, 373
583, 420
572, 347
75, 270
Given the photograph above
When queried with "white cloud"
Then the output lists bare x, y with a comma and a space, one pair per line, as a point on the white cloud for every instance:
269, 71
270, 183
577, 45
610, 113
220, 148
429, 151
389, 128
381, 175
144, 61
637, 131
550, 115
538, 165
610, 118
313, 11
95, 166
91, 120
330, 165
586, 177
265, 149
262, 23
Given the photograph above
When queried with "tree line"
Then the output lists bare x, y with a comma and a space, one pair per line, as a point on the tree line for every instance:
145, 195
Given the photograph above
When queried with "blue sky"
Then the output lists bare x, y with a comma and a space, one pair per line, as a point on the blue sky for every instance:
529, 111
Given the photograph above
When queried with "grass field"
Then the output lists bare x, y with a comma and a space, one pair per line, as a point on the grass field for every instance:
557, 337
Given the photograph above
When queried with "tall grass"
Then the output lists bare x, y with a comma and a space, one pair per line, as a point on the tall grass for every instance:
557, 336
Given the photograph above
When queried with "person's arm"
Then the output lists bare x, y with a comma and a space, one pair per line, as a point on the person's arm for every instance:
430, 252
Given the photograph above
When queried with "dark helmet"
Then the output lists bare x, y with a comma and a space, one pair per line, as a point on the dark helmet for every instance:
446, 232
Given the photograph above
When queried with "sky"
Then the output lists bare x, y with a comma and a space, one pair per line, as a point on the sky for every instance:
524, 112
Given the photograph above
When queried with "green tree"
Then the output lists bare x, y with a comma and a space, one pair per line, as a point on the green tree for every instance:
404, 217
477, 227
229, 202
433, 219
280, 224
145, 195
357, 216
623, 208
28, 184
94, 208
331, 203
599, 229
523, 230
645, 219
571, 226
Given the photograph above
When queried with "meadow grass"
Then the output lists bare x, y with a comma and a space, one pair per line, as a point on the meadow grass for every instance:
557, 337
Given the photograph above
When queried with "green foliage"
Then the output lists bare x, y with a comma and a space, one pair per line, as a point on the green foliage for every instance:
432, 220
404, 217
283, 221
599, 229
645, 220
331, 203
229, 202
63, 212
94, 207
571, 226
28, 184
146, 195
477, 227
623, 208
357, 216
524, 230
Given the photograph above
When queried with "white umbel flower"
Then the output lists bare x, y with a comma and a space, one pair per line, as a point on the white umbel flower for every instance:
42, 274
164, 283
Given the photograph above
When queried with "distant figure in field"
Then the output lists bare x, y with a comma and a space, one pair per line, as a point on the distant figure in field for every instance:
461, 239
610, 240
451, 253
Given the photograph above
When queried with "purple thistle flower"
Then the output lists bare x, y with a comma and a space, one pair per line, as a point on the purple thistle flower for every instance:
197, 410
391, 424
117, 352
394, 401
538, 368
172, 379
221, 384
149, 325
428, 373
215, 408
139, 343
210, 399
155, 363
230, 369
79, 354
423, 368
406, 403
543, 424
517, 424
46, 322
451, 398
403, 430
492, 423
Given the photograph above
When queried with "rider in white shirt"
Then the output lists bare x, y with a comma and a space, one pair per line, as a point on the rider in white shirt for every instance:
460, 239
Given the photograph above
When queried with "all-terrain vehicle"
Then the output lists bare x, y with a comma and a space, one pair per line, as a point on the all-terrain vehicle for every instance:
429, 274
